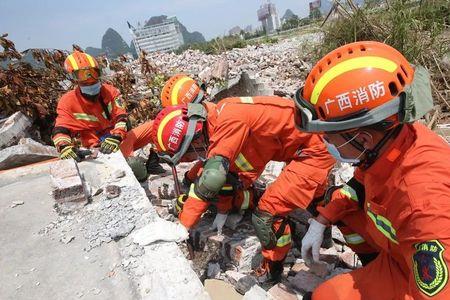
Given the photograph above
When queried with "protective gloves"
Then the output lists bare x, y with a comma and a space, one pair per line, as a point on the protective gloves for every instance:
69, 151
180, 202
311, 242
110, 144
218, 223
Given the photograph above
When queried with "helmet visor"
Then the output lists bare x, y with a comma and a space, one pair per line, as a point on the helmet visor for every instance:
86, 76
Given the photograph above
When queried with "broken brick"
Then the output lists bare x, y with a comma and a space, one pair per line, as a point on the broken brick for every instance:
68, 188
305, 281
282, 292
245, 253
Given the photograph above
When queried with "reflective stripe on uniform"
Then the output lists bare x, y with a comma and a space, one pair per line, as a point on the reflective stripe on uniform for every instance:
243, 164
350, 193
383, 225
248, 100
284, 240
73, 62
354, 239
192, 193
350, 65
176, 88
246, 201
227, 188
60, 139
121, 125
86, 117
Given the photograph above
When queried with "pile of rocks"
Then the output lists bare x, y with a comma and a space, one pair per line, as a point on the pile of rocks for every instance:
283, 65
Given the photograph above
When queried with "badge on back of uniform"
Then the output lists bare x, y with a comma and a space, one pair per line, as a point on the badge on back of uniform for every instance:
430, 268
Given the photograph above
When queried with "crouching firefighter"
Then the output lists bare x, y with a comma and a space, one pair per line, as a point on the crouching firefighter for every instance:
240, 136
95, 113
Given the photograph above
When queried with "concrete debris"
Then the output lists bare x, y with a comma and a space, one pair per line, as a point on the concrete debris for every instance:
213, 270
233, 220
245, 284
26, 152
160, 231
282, 291
118, 174
68, 188
13, 129
321, 268
279, 65
112, 191
234, 276
255, 293
342, 172
336, 272
17, 203
67, 239
305, 281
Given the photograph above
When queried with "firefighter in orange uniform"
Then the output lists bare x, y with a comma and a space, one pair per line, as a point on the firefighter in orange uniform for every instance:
238, 137
94, 111
366, 97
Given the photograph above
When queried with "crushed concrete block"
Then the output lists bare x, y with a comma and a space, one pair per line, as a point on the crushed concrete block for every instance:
200, 235
282, 292
244, 284
13, 129
349, 258
25, 153
213, 270
305, 281
220, 68
321, 268
234, 276
255, 293
299, 267
112, 191
337, 235
245, 253
68, 188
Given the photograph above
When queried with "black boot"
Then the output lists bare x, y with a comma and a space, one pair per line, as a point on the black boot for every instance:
152, 164
269, 271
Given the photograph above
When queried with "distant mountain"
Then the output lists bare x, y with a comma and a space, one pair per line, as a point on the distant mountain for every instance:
113, 44
189, 37
94, 51
289, 15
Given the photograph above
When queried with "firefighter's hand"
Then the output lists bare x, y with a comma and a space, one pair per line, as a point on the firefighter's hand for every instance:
110, 144
219, 222
180, 202
311, 242
68, 152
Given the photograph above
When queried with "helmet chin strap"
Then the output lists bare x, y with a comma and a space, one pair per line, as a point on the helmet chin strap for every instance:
372, 154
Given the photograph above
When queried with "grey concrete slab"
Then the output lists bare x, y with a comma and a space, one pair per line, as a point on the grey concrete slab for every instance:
39, 266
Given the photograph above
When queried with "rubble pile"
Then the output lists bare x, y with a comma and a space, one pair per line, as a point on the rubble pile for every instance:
283, 65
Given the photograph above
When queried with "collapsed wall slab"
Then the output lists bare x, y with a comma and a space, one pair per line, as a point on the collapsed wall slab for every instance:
160, 271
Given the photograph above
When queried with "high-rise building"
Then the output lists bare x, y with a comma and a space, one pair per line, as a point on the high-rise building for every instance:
165, 36
268, 16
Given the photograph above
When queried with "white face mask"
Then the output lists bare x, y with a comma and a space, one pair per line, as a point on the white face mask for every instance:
333, 150
91, 90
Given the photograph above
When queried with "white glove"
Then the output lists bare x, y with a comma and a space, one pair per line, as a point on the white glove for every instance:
218, 223
311, 241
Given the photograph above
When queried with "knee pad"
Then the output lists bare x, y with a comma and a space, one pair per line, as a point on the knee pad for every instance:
262, 221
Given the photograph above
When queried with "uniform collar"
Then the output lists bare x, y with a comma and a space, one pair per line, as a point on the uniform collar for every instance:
383, 166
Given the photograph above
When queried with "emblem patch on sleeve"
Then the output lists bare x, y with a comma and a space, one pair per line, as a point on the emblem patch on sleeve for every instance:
119, 103
430, 269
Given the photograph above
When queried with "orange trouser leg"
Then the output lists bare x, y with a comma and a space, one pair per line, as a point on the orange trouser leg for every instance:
192, 212
297, 185
380, 279
137, 138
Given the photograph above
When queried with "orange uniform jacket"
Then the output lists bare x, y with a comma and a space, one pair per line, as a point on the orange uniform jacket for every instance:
250, 132
78, 116
406, 216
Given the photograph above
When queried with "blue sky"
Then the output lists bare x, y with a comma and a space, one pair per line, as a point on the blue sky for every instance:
58, 24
